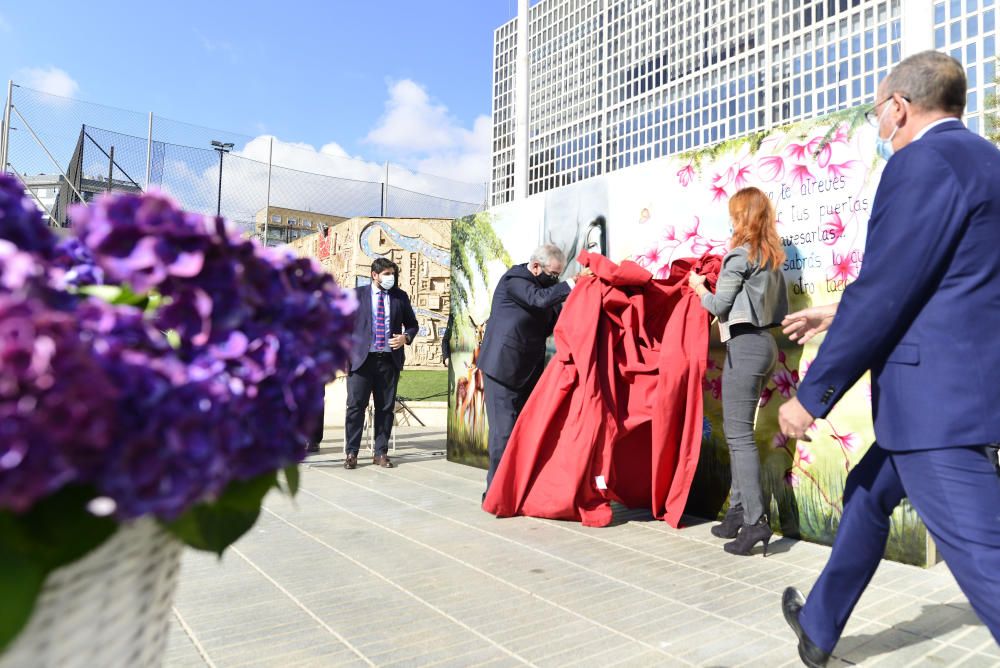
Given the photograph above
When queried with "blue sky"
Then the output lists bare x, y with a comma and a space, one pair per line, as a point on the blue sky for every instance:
401, 80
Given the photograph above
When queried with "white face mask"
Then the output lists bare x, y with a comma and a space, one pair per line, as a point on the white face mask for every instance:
387, 282
883, 147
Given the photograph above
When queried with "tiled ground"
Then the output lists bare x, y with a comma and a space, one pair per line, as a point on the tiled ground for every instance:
401, 568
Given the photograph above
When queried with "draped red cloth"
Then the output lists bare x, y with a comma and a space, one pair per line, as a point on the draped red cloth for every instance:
617, 413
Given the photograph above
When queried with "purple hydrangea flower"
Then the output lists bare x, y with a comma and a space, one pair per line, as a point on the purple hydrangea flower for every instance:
57, 405
21, 222
158, 423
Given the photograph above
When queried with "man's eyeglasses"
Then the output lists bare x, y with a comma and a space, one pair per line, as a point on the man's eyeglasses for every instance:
872, 117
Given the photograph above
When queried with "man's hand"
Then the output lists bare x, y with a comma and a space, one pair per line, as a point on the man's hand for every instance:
794, 420
807, 323
397, 342
584, 273
695, 279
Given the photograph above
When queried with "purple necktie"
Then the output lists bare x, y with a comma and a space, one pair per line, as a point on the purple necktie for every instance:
380, 322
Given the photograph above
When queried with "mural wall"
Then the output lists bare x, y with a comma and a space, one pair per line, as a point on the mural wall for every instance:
821, 176
421, 249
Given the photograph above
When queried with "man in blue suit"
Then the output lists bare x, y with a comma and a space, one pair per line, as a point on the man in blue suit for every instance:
384, 324
921, 316
525, 306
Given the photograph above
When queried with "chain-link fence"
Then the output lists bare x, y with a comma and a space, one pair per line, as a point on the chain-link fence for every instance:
66, 151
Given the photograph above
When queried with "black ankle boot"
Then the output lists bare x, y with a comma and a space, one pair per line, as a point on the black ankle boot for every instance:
730, 525
750, 535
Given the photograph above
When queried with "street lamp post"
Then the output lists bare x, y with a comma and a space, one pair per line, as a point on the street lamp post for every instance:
222, 148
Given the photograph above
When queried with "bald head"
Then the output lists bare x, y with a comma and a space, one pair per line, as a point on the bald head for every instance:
931, 81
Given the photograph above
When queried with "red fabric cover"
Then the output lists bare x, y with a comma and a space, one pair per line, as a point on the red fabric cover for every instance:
622, 399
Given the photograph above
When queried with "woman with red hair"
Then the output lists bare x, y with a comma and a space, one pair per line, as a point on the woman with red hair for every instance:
750, 298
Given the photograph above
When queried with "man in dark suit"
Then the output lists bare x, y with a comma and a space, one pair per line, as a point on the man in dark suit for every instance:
385, 322
525, 306
921, 316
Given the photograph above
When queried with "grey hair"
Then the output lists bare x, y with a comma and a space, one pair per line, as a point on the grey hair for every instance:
930, 80
546, 253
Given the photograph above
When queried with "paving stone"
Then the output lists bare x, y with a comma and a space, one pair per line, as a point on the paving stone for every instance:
405, 568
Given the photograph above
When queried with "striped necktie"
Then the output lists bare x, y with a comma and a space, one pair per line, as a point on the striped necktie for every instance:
380, 322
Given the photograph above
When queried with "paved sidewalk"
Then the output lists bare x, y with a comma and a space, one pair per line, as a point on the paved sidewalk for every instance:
401, 568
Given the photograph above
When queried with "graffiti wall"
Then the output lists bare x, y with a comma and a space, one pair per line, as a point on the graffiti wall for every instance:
821, 176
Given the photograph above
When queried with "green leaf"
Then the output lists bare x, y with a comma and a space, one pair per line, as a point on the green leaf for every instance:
57, 531
173, 338
108, 293
216, 525
292, 479
62, 530
21, 580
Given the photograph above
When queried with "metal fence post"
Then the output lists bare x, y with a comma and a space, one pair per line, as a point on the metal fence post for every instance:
149, 150
111, 168
385, 193
267, 201
5, 138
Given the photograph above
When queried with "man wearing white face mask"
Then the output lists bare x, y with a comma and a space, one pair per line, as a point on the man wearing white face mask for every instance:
384, 324
919, 317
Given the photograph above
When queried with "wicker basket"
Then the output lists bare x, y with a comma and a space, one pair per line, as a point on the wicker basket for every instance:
109, 609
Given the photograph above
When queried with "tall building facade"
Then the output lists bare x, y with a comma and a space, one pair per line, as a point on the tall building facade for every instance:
614, 83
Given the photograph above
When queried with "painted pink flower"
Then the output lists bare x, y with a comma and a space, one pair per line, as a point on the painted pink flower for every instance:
711, 365
663, 272
797, 151
840, 134
780, 441
704, 245
781, 356
784, 383
670, 233
724, 178
741, 178
821, 150
842, 169
686, 175
718, 194
771, 168
693, 232
650, 258
833, 229
765, 397
844, 269
805, 457
714, 386
791, 479
849, 441
800, 173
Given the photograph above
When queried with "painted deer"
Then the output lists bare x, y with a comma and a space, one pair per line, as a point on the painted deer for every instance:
469, 398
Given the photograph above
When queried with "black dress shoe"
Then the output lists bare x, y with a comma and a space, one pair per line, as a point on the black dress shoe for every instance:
312, 447
383, 461
791, 605
730, 525
351, 461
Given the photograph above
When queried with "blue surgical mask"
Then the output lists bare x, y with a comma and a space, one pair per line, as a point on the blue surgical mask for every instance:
883, 147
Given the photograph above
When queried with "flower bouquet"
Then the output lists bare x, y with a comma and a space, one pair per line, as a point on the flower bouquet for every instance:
159, 374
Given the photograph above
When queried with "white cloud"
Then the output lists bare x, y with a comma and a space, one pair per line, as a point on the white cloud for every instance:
50, 80
424, 136
413, 132
219, 46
